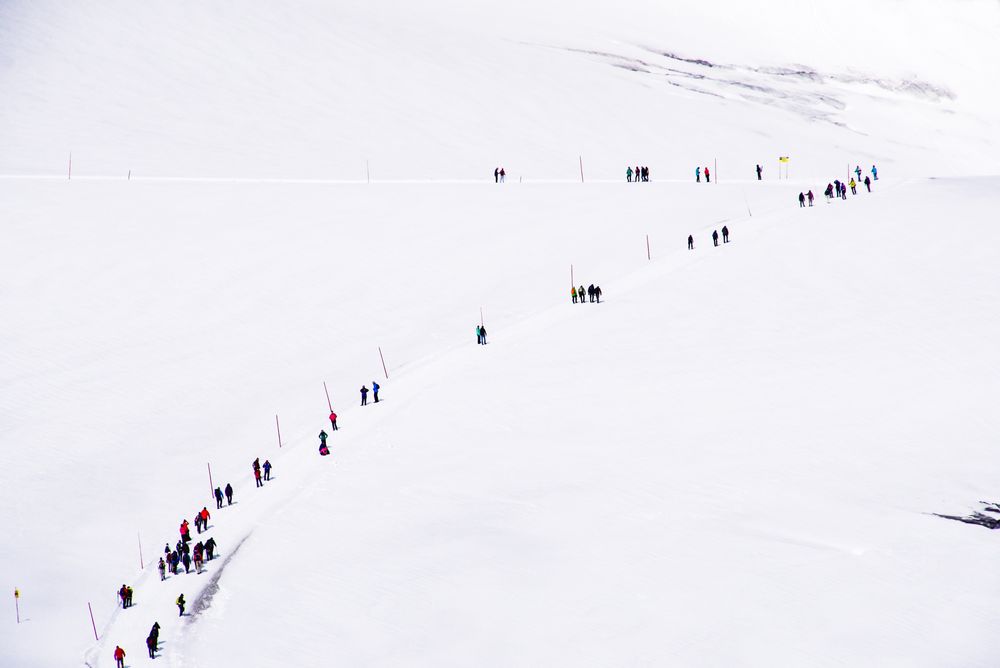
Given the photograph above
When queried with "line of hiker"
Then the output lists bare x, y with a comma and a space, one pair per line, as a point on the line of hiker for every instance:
698, 172
838, 189
715, 237
481, 334
640, 174
499, 175
580, 294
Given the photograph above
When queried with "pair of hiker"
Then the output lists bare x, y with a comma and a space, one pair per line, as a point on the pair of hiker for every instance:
364, 394
481, 334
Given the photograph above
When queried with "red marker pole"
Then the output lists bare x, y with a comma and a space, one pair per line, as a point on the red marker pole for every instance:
92, 624
329, 405
384, 370
278, 427
210, 485
648, 256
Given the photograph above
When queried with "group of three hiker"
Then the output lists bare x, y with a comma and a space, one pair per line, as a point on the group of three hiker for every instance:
715, 237
257, 471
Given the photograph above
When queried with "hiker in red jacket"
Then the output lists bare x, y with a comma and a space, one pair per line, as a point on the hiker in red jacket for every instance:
333, 421
256, 475
119, 657
185, 531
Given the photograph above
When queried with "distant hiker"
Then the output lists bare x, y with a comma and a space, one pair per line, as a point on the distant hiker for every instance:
572, 292
364, 395
645, 174
122, 596
628, 174
162, 567
759, 170
323, 450
837, 185
151, 646
267, 469
597, 293
715, 237
479, 334
843, 191
868, 184
482, 332
636, 172
210, 548
199, 557
580, 291
229, 494
857, 170
697, 174
874, 173
690, 242
154, 632
375, 391
503, 175
119, 657
496, 175
590, 292
708, 177
322, 438
205, 516
810, 197
180, 605
333, 421
186, 560
175, 560
854, 187
256, 464
828, 193
802, 200
256, 477
725, 234
128, 597
218, 498
185, 531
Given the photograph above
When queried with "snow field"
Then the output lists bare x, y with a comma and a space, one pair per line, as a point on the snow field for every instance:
176, 319
658, 479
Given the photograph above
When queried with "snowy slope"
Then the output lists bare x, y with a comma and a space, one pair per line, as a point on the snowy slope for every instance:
448, 89
657, 480
600, 482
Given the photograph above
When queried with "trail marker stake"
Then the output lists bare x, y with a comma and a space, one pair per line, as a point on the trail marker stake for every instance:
581, 169
648, 255
330, 405
17, 607
69, 173
142, 564
384, 370
278, 427
210, 485
92, 624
